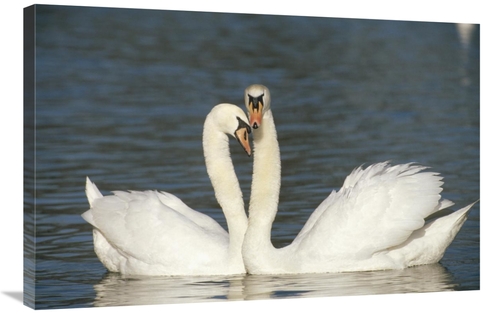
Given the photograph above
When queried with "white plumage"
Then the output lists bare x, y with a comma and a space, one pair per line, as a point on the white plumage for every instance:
375, 221
155, 233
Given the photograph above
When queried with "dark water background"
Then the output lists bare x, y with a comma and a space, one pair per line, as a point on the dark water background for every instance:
121, 96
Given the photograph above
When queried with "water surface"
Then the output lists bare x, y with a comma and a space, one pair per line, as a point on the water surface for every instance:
121, 96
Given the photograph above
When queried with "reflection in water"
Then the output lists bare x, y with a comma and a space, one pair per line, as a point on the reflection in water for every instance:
115, 289
465, 32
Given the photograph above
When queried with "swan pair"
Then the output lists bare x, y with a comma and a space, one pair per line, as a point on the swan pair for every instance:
375, 221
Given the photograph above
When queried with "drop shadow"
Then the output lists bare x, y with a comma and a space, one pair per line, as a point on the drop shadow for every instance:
16, 295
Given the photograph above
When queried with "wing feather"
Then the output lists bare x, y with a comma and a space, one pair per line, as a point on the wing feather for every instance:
376, 208
141, 225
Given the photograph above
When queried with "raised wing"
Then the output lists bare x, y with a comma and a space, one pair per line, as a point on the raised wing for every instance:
377, 208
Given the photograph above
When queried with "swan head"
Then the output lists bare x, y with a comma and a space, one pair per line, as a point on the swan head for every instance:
257, 102
231, 120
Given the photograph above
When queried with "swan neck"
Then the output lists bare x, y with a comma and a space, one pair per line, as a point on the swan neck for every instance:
223, 177
266, 183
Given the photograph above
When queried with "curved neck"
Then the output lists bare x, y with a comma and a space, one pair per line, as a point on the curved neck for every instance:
264, 197
225, 183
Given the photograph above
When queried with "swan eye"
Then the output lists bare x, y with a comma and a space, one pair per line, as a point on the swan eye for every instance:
243, 125
243, 128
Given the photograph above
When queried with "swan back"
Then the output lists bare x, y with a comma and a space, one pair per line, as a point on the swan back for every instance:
145, 236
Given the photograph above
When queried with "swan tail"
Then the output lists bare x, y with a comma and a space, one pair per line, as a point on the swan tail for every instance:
443, 231
428, 244
92, 192
456, 218
460, 216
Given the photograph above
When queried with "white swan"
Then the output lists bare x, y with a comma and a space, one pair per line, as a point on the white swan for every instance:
155, 233
375, 221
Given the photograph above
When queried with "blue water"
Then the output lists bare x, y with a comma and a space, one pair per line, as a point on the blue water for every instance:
121, 96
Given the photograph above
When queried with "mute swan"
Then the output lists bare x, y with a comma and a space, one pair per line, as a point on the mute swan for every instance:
375, 221
155, 233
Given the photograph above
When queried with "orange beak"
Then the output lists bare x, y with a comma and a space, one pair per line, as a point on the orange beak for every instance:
255, 113
242, 135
